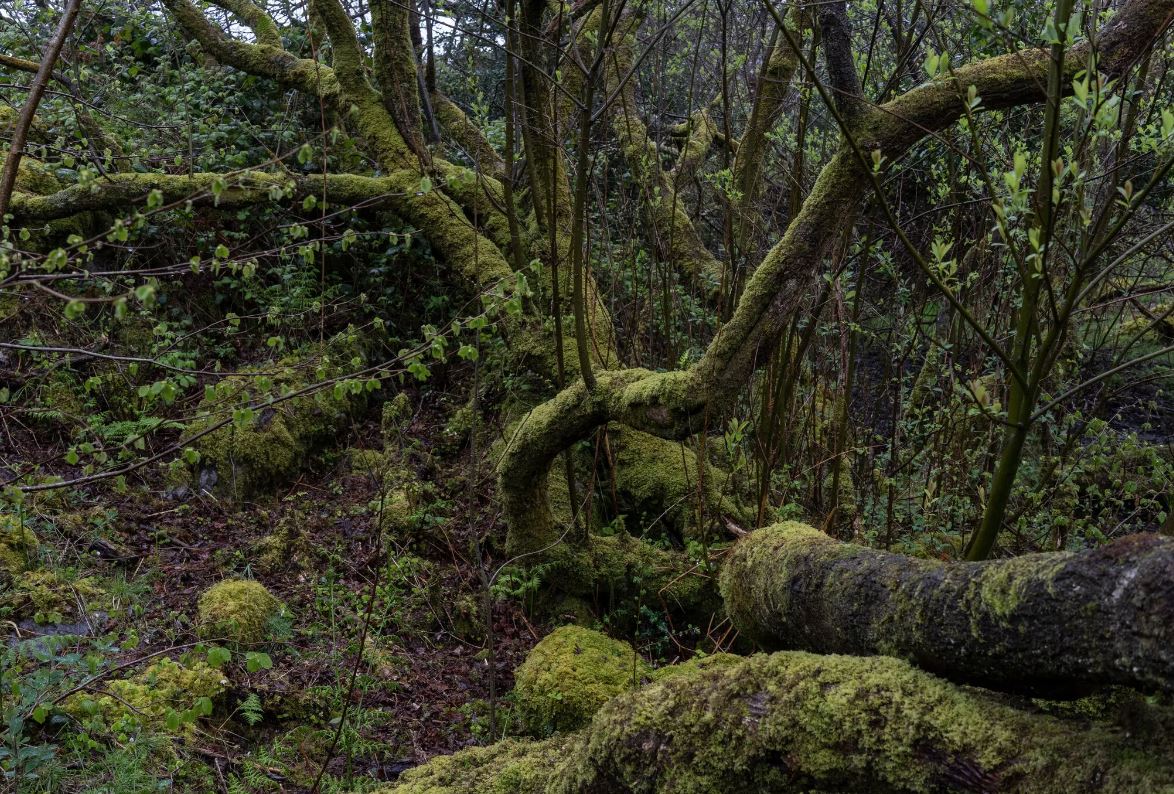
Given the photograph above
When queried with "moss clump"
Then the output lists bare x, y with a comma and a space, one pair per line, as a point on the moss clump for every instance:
47, 597
570, 674
659, 483
238, 610
511, 766
399, 488
18, 545
277, 443
149, 698
288, 547
459, 428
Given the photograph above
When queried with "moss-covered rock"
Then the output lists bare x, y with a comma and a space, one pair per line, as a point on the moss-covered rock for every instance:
570, 674
166, 692
618, 567
662, 487
512, 766
280, 439
287, 547
238, 610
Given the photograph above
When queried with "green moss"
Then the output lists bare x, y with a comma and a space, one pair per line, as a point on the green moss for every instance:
799, 722
287, 548
277, 443
399, 488
459, 426
146, 700
397, 412
997, 590
848, 723
698, 664
566, 608
659, 482
621, 566
238, 610
511, 766
570, 674
19, 546
48, 597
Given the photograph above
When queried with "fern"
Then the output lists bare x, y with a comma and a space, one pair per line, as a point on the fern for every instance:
250, 709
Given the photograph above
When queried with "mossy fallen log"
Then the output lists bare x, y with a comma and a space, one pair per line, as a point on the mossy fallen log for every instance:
799, 722
1059, 623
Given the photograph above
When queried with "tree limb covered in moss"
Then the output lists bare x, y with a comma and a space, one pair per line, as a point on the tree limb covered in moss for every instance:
774, 85
456, 124
397, 72
676, 404
264, 28
202, 189
1057, 623
673, 233
263, 59
796, 722
697, 135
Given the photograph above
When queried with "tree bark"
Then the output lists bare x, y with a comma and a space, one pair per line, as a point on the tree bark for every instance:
1059, 623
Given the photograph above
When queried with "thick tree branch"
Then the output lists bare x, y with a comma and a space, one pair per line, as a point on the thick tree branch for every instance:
260, 59
397, 72
241, 189
795, 722
774, 85
468, 136
263, 27
1057, 623
673, 234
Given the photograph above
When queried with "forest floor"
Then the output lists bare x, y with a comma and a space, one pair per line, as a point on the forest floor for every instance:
423, 678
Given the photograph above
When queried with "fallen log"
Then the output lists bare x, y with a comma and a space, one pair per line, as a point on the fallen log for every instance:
799, 722
1057, 624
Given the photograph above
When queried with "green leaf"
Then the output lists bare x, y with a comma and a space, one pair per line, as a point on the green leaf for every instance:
255, 660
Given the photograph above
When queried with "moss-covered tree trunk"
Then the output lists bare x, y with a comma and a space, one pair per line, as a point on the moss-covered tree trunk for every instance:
1059, 623
797, 722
